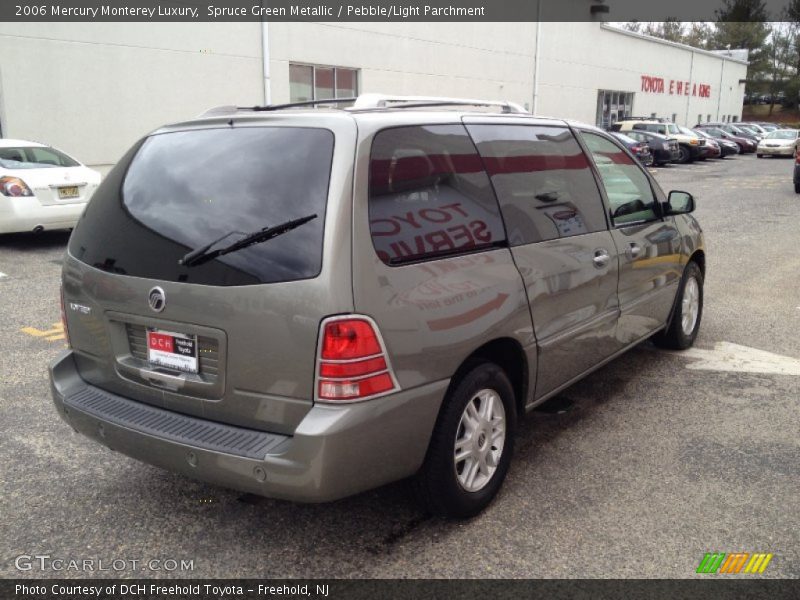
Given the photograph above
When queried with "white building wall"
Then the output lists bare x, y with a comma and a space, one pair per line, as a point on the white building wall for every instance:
92, 89
578, 59
471, 60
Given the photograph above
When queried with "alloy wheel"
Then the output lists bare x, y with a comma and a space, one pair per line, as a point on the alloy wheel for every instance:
480, 440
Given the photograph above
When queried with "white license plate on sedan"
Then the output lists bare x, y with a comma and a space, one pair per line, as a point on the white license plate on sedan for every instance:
70, 191
172, 350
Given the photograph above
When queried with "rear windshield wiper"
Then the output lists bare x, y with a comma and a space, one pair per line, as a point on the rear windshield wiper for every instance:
202, 255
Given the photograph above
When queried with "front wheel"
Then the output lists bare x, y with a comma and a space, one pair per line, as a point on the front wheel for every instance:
471, 445
759, 156
686, 155
687, 312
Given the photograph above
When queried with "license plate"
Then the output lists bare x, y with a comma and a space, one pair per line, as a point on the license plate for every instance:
68, 192
173, 350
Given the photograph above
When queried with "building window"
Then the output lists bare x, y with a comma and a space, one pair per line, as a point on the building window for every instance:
308, 82
653, 115
708, 118
612, 107
699, 118
674, 117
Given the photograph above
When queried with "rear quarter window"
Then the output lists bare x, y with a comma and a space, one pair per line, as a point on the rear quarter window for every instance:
429, 195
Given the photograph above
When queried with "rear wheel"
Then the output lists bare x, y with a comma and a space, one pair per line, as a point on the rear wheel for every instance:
686, 155
759, 155
471, 445
687, 312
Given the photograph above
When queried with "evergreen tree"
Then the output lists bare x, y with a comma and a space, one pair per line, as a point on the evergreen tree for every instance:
743, 24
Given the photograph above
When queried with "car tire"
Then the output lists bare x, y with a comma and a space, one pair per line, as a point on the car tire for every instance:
686, 155
686, 313
759, 156
462, 488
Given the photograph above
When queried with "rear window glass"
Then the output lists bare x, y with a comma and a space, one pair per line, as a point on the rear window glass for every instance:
185, 190
33, 157
429, 195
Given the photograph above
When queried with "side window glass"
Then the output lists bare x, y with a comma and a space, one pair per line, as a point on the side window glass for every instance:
543, 181
429, 195
627, 187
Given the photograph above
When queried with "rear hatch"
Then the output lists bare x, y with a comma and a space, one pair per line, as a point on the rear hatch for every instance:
232, 337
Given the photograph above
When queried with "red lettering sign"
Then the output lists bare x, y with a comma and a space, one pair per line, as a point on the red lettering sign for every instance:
657, 85
652, 84
159, 341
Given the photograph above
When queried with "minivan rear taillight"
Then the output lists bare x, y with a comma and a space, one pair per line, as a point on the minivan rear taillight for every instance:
352, 363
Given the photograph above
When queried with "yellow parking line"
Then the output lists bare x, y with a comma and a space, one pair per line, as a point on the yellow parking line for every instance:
51, 335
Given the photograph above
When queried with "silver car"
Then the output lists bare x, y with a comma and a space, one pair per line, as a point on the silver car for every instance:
305, 303
781, 142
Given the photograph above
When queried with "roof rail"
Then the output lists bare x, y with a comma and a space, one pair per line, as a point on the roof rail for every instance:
230, 109
366, 101
305, 103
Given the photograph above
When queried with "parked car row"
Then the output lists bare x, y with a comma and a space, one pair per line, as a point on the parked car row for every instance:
667, 142
657, 141
41, 187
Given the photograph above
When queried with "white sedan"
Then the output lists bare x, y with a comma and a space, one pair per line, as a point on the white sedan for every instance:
41, 187
781, 142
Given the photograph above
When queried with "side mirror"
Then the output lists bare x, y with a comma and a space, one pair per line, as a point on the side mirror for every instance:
679, 203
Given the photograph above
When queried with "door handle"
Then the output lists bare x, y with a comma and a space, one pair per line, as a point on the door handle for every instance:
634, 250
601, 258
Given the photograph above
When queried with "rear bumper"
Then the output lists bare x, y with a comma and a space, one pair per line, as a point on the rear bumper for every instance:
336, 451
26, 213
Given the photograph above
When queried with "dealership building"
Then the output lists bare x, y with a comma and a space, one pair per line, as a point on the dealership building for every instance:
92, 89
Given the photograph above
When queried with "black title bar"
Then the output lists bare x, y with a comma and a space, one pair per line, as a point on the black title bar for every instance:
396, 11
708, 587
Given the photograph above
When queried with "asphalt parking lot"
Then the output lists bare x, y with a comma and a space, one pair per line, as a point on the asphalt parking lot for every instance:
659, 458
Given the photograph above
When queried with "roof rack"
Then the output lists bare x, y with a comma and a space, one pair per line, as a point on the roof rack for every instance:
659, 119
230, 109
367, 101
296, 104
374, 101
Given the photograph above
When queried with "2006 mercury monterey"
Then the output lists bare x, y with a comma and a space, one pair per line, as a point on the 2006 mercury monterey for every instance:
305, 303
